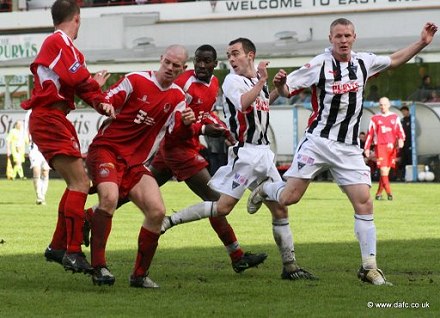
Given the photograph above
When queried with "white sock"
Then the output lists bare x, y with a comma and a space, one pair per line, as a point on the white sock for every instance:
273, 190
284, 240
44, 186
365, 231
37, 187
195, 212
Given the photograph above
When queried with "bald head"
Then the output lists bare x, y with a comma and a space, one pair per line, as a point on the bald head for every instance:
384, 104
172, 64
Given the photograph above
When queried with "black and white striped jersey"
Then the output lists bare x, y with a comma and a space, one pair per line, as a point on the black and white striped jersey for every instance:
337, 92
251, 126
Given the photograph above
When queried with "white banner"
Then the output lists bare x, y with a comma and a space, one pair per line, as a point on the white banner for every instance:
20, 46
86, 123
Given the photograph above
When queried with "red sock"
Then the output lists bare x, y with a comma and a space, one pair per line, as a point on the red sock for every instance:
386, 184
59, 238
89, 214
147, 244
101, 227
380, 188
75, 216
227, 236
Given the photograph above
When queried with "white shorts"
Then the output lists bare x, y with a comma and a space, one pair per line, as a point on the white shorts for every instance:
247, 166
316, 154
37, 159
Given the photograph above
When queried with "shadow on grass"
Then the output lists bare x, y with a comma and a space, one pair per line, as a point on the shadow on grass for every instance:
200, 282
405, 261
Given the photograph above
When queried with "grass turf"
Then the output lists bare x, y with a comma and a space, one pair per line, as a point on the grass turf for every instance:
194, 271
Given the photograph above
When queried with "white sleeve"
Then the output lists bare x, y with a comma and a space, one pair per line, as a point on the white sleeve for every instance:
233, 87
306, 76
374, 63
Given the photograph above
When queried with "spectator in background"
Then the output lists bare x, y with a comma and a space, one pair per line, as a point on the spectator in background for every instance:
435, 98
373, 95
425, 89
385, 132
371, 160
39, 166
281, 100
16, 149
5, 5
302, 98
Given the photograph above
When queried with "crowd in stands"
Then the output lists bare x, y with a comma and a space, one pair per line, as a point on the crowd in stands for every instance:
7, 5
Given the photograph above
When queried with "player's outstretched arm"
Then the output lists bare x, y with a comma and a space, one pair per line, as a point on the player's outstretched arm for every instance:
404, 55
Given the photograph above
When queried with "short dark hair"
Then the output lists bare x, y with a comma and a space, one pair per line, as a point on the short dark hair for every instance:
404, 108
63, 10
209, 48
248, 45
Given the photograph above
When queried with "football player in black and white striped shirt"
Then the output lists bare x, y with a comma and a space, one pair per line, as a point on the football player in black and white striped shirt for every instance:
337, 79
250, 160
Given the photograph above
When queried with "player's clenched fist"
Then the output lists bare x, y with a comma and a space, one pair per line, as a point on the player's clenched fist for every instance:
108, 109
188, 116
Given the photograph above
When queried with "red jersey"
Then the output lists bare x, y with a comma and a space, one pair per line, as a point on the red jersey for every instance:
59, 73
144, 111
385, 129
200, 97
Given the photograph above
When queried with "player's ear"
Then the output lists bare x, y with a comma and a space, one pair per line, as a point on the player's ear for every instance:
185, 66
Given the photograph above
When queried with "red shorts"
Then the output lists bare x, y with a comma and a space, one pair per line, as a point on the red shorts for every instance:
386, 156
53, 133
104, 165
182, 162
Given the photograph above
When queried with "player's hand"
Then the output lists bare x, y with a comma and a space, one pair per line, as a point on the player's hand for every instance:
400, 143
108, 109
230, 140
214, 130
428, 32
367, 153
188, 116
262, 70
279, 79
101, 77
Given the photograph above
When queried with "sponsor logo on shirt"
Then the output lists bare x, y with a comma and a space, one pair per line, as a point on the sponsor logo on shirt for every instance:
144, 99
261, 105
74, 67
342, 88
143, 118
306, 160
239, 180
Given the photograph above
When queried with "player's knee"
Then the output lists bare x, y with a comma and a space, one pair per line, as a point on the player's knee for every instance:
223, 210
156, 215
108, 201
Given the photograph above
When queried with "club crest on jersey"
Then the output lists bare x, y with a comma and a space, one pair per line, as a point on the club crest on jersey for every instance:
340, 88
166, 107
104, 169
353, 68
74, 67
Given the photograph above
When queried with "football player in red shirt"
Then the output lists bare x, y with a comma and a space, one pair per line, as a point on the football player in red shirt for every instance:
60, 73
386, 133
148, 104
